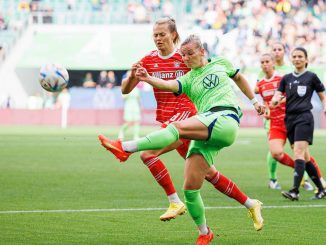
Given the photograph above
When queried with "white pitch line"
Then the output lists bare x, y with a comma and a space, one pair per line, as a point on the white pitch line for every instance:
147, 209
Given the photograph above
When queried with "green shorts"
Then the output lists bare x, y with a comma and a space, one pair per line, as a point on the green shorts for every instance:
223, 127
267, 124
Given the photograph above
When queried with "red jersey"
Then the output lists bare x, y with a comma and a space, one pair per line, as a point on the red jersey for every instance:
267, 88
168, 68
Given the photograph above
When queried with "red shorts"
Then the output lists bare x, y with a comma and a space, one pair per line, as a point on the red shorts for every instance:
277, 133
182, 149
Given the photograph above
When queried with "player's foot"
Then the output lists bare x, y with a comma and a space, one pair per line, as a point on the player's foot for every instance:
173, 211
115, 147
324, 185
319, 195
255, 214
292, 195
205, 239
274, 185
307, 186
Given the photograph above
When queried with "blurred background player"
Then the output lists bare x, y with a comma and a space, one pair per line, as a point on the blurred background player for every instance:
278, 51
277, 131
298, 88
208, 84
131, 112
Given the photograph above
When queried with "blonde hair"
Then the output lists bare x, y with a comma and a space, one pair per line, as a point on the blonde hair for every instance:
269, 55
193, 39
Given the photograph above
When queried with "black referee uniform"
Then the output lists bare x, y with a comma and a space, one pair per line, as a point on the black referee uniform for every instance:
300, 123
298, 117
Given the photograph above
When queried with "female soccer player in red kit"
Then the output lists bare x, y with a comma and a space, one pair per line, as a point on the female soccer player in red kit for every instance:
166, 63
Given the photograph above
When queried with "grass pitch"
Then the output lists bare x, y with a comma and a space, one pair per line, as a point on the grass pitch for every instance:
61, 187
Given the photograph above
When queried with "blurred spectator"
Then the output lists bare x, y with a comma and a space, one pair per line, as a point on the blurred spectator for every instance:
3, 24
23, 6
2, 54
140, 14
7, 102
102, 79
168, 8
111, 81
89, 81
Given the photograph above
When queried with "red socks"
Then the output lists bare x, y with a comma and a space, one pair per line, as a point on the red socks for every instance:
287, 160
313, 161
160, 173
227, 187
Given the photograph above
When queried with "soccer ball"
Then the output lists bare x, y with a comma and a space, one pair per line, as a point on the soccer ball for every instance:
53, 77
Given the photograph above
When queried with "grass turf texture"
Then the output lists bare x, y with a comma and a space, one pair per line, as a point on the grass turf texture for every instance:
54, 169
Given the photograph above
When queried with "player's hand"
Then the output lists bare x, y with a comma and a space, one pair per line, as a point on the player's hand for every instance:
274, 103
267, 115
134, 68
141, 73
259, 108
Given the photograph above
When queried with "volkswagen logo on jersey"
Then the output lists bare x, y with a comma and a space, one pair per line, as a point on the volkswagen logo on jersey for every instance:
211, 81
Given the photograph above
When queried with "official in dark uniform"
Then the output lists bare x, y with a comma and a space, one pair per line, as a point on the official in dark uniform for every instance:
298, 88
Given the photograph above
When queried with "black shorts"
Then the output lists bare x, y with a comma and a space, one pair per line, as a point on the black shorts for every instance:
300, 127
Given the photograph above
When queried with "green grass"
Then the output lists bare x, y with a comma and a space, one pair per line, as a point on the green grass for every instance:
54, 169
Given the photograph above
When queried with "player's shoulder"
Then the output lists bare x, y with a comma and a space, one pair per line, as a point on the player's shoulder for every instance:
219, 60
310, 73
288, 76
277, 76
151, 54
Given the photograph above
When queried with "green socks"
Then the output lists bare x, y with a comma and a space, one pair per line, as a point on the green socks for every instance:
158, 139
195, 206
272, 166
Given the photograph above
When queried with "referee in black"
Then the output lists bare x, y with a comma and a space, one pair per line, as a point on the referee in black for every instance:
298, 88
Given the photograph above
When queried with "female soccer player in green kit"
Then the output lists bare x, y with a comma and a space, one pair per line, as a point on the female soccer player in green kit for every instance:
216, 126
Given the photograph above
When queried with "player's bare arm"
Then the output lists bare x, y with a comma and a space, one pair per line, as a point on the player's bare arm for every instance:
170, 85
256, 90
130, 82
243, 84
276, 100
322, 98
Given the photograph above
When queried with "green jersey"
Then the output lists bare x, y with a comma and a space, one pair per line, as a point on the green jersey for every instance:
210, 85
281, 70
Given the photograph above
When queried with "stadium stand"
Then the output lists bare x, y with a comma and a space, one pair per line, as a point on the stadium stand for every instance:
238, 29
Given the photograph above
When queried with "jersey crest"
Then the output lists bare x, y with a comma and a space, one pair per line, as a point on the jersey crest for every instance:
302, 90
211, 81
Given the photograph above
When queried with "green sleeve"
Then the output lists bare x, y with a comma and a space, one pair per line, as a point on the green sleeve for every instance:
183, 84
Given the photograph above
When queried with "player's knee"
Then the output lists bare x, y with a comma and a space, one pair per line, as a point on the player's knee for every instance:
144, 155
277, 154
211, 174
179, 126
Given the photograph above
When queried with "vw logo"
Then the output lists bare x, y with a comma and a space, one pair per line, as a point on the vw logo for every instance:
211, 81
